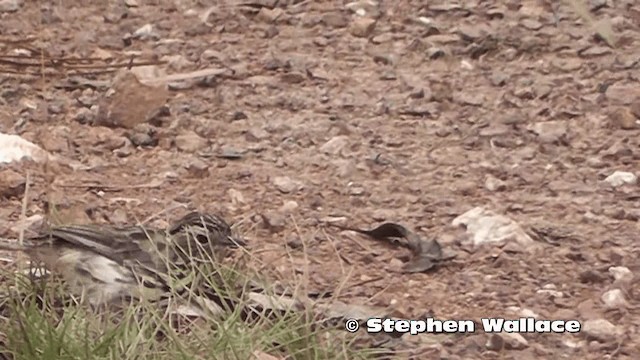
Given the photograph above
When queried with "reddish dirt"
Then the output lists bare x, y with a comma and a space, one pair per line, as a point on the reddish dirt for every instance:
403, 124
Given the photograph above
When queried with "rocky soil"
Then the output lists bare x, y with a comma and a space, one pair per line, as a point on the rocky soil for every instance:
307, 111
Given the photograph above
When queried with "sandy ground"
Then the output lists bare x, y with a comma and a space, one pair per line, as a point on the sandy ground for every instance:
414, 113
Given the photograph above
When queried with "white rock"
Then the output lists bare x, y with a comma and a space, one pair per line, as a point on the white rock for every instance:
619, 178
362, 27
621, 273
288, 207
285, 184
171, 175
549, 131
32, 222
144, 32
190, 142
10, 5
571, 344
425, 20
492, 184
552, 293
613, 299
485, 226
14, 148
236, 196
363, 7
601, 330
466, 65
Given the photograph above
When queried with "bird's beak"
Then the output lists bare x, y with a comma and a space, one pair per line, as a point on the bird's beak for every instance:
239, 242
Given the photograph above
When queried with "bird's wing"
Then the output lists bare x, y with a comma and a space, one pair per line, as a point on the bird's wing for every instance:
132, 247
116, 244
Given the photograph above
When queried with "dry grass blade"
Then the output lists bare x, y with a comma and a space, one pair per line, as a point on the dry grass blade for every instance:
23, 216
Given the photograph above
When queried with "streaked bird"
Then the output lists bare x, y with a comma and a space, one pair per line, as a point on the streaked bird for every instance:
105, 264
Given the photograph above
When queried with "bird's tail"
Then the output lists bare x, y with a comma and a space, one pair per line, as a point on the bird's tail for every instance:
12, 245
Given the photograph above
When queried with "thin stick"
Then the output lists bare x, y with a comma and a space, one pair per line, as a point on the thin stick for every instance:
305, 253
23, 217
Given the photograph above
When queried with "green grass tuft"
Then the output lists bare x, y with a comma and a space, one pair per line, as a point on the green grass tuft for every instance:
40, 321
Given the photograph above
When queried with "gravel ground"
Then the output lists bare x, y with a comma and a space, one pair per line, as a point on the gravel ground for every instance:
409, 111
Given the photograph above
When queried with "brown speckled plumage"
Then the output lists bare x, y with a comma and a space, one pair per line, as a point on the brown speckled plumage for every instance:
108, 263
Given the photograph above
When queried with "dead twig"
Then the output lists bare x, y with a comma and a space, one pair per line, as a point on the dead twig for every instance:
108, 187
23, 216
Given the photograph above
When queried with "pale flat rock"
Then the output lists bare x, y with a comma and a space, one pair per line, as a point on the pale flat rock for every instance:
549, 131
15, 148
614, 299
486, 226
601, 330
190, 142
363, 27
285, 184
621, 273
30, 224
10, 6
619, 178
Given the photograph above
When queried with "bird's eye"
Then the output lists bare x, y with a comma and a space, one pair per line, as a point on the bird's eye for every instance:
199, 234
202, 238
